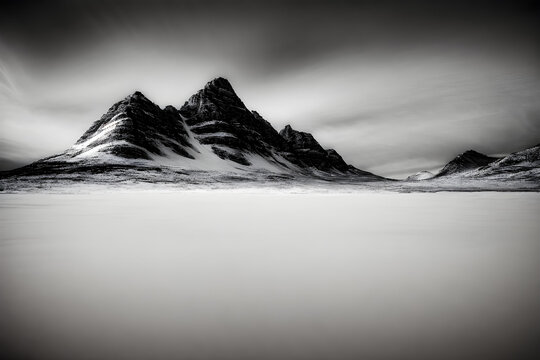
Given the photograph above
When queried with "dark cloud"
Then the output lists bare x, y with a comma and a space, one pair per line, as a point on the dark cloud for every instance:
288, 32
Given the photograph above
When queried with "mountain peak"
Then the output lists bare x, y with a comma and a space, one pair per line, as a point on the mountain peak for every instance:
468, 160
287, 132
472, 155
299, 139
220, 83
217, 93
137, 96
471, 152
311, 152
217, 117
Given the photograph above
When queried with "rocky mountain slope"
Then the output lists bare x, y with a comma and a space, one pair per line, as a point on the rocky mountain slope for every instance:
468, 160
134, 128
521, 166
212, 132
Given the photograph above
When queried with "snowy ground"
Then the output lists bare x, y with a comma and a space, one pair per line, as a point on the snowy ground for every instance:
161, 179
269, 275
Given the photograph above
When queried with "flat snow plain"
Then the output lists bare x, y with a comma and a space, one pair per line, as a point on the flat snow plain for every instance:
269, 275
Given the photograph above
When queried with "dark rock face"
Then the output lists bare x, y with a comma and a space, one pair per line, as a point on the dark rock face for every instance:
521, 165
310, 152
137, 127
218, 117
525, 157
469, 160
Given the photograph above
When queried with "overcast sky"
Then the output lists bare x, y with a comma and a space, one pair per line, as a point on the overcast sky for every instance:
395, 87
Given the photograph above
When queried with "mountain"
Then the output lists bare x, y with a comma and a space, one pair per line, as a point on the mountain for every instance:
212, 133
218, 118
461, 164
468, 160
311, 153
134, 128
522, 165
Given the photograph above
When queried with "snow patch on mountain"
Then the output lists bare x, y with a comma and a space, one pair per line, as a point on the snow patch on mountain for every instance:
102, 132
421, 175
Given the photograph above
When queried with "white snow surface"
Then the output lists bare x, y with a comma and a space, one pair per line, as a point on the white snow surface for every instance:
206, 160
102, 132
97, 151
216, 134
269, 275
204, 123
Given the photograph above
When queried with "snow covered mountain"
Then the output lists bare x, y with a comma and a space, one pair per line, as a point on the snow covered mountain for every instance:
212, 132
521, 166
518, 166
134, 128
468, 160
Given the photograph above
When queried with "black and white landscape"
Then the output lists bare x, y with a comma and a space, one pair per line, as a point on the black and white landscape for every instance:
275, 180
215, 139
